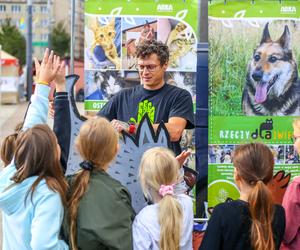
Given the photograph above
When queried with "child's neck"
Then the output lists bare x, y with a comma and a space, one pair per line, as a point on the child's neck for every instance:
245, 191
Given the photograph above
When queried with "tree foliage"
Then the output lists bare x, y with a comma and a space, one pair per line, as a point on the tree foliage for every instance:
60, 40
12, 41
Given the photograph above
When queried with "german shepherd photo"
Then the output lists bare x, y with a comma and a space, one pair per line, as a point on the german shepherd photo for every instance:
272, 85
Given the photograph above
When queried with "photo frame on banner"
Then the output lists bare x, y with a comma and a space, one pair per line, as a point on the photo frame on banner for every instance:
113, 30
254, 88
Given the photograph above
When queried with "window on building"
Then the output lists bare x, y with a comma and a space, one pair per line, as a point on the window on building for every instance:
44, 37
35, 37
15, 8
44, 22
2, 8
44, 9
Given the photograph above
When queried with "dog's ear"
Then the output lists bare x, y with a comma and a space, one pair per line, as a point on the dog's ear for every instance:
285, 39
266, 38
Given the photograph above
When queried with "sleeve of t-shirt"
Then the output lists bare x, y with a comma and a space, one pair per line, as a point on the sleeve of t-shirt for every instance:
291, 204
109, 111
213, 234
183, 107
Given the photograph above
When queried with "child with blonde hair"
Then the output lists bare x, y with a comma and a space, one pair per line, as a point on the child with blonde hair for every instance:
168, 223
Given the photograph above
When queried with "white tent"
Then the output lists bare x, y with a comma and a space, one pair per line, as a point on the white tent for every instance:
9, 78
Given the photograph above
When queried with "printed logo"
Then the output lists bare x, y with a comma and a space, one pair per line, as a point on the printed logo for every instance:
144, 107
164, 8
264, 131
288, 10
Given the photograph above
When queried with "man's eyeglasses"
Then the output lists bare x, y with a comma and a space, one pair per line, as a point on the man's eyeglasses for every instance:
294, 138
150, 67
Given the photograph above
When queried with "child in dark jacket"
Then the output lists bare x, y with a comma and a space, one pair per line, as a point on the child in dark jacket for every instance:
253, 221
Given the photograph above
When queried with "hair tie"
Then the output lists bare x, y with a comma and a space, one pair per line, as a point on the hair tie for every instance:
86, 165
166, 189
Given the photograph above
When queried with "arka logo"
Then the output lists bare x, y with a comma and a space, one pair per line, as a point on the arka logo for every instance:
164, 7
288, 10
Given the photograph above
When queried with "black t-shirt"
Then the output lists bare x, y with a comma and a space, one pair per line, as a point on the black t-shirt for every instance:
130, 105
230, 224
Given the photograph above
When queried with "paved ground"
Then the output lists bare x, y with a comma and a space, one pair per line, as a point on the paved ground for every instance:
10, 116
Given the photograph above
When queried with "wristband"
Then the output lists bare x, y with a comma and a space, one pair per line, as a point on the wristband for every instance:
43, 83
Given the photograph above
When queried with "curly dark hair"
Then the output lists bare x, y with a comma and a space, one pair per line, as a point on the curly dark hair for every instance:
153, 47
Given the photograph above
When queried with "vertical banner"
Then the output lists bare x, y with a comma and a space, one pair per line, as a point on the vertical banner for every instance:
113, 30
254, 87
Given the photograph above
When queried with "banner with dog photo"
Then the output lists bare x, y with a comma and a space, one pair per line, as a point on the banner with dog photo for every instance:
113, 30
254, 89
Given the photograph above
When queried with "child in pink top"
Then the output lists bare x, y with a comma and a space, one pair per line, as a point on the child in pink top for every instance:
291, 203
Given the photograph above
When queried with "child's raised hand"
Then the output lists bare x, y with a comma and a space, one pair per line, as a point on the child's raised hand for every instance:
183, 156
48, 68
37, 68
60, 78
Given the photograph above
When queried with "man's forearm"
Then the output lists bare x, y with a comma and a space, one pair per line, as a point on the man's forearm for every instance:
173, 130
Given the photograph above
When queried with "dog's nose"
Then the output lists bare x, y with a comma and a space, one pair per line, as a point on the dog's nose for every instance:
257, 75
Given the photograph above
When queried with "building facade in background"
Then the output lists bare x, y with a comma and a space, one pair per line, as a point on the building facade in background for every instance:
61, 11
45, 14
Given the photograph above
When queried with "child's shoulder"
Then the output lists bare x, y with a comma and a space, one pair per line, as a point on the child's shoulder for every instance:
185, 201
279, 210
296, 180
148, 214
231, 207
108, 186
43, 189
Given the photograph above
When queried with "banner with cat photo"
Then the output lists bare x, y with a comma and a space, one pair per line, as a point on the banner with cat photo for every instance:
254, 88
113, 30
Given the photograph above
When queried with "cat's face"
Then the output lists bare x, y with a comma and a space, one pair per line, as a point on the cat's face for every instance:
105, 35
147, 33
180, 27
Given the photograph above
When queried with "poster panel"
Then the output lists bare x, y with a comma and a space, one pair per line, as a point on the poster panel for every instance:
254, 86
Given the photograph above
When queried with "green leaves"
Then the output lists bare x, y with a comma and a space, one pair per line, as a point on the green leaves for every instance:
60, 40
12, 41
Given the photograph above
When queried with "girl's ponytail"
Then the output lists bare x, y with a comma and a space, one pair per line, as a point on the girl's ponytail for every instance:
79, 187
170, 220
254, 163
261, 211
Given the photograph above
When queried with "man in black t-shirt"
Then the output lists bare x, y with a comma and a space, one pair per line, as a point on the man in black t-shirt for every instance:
162, 102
